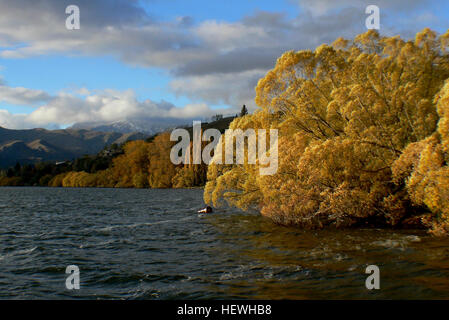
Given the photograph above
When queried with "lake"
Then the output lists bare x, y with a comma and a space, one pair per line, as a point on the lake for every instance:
151, 244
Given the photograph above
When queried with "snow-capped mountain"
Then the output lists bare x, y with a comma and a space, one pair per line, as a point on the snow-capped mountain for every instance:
147, 126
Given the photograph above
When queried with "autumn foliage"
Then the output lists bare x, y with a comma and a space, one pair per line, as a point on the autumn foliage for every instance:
363, 136
142, 165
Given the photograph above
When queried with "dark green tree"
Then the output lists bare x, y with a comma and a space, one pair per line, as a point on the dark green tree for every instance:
244, 111
217, 117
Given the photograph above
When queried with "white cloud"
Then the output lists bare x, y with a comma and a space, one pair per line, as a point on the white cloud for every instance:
226, 36
233, 89
21, 96
105, 106
13, 121
322, 7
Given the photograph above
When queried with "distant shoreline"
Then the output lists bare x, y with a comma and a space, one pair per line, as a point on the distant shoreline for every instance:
124, 188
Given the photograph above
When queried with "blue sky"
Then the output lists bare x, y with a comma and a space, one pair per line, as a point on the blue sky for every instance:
230, 10
173, 58
54, 73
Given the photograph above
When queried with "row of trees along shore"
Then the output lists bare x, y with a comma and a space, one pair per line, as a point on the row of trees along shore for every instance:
363, 140
135, 164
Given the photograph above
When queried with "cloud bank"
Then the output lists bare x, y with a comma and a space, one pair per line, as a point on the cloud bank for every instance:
104, 106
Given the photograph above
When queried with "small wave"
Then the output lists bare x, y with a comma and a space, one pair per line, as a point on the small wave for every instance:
263, 272
230, 276
400, 243
196, 232
144, 294
17, 252
413, 238
352, 268
389, 243
105, 243
135, 225
26, 251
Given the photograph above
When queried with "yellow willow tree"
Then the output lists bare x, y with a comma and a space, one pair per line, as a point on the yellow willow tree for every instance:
228, 181
131, 168
160, 169
423, 167
345, 112
190, 175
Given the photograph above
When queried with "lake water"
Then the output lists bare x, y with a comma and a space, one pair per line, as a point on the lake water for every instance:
151, 244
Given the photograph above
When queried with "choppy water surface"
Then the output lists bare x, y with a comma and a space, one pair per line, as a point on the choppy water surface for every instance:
150, 244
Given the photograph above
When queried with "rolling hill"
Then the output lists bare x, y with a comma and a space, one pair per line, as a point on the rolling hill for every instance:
34, 145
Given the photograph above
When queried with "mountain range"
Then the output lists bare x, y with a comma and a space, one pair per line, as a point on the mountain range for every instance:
34, 145
148, 126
